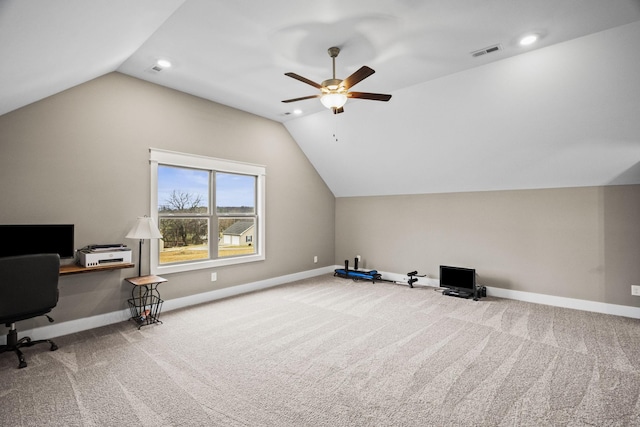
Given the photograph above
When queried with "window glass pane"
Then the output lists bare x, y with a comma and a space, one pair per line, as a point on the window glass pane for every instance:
183, 239
237, 236
210, 212
235, 194
182, 190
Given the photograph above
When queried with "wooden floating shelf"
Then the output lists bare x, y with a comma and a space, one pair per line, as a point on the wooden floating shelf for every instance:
68, 269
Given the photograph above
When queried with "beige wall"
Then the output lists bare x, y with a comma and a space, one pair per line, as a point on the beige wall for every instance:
581, 243
81, 157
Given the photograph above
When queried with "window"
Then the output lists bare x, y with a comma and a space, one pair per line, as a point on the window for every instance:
210, 212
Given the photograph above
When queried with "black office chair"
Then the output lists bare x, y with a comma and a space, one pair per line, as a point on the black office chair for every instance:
28, 288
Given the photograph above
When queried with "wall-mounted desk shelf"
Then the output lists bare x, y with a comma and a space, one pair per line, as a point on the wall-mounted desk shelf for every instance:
69, 269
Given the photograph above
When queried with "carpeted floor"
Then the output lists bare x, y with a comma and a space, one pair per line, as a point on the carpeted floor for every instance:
332, 352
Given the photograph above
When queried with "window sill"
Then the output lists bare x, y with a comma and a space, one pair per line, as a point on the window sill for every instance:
200, 265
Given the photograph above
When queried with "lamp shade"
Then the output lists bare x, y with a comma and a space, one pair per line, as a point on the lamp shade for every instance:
144, 228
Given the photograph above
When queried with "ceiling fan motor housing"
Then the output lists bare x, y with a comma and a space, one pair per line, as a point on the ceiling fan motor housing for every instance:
333, 85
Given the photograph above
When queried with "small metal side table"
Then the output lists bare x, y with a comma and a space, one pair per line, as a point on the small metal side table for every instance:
147, 304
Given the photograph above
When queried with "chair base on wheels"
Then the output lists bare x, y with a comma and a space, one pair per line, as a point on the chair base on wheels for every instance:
13, 344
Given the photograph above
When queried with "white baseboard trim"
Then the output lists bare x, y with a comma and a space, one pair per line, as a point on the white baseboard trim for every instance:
576, 304
78, 325
573, 303
72, 326
242, 289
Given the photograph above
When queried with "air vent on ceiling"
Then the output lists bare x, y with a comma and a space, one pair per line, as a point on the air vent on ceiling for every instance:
154, 69
490, 49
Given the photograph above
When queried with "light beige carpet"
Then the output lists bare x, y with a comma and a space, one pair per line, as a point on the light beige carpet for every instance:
333, 352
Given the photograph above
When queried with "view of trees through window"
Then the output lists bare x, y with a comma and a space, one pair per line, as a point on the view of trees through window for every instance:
185, 214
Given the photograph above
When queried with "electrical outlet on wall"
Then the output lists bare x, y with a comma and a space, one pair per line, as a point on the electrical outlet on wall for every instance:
635, 290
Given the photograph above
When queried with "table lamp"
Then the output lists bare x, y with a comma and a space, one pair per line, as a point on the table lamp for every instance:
144, 228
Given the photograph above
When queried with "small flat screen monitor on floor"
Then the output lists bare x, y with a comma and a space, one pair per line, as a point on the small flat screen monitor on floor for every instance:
458, 279
26, 239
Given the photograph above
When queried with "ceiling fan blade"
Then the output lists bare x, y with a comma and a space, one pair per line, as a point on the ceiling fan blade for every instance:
303, 80
372, 96
357, 77
301, 99
338, 110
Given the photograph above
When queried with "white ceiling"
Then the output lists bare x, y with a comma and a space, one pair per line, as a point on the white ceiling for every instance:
452, 124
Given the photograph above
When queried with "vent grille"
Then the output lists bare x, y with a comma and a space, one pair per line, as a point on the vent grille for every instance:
154, 69
486, 50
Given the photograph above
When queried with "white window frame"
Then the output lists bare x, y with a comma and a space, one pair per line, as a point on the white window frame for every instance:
173, 158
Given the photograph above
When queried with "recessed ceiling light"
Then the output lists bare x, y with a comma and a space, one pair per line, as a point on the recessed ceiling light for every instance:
297, 112
163, 63
528, 39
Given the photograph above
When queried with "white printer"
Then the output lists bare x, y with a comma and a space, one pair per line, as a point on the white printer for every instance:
96, 255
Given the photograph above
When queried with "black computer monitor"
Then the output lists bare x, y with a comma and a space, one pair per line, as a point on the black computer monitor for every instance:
25, 239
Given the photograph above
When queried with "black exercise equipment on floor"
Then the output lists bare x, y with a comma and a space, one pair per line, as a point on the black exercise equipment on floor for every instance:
356, 274
412, 277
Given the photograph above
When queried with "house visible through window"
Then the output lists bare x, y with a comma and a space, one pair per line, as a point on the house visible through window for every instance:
209, 211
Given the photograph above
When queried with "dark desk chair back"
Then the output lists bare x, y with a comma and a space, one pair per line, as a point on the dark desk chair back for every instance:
28, 288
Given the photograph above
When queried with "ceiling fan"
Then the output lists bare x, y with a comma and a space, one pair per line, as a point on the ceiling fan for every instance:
334, 92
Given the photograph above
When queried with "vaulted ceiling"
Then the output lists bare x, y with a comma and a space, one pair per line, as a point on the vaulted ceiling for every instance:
561, 112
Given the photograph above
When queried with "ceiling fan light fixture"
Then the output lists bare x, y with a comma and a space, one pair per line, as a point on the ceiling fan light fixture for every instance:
333, 100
